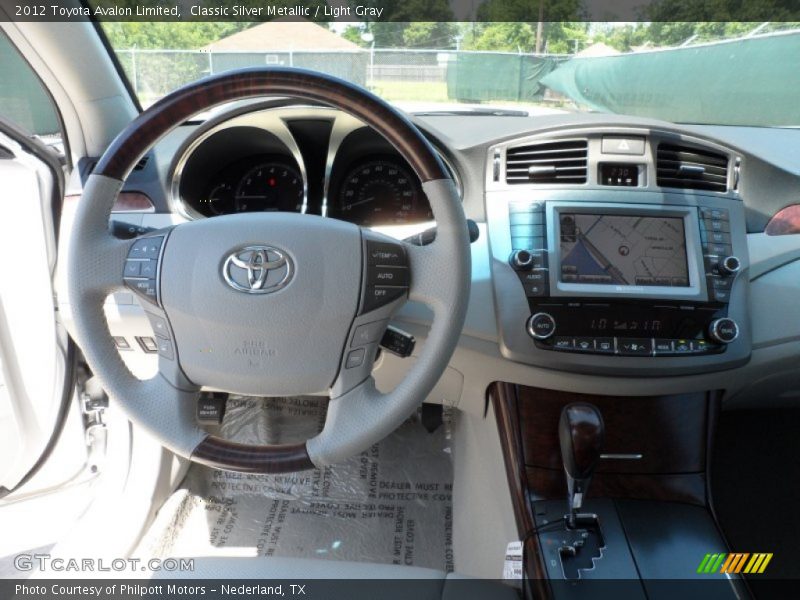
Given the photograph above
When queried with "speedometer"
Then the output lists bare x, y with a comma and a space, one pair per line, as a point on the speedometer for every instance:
381, 192
271, 186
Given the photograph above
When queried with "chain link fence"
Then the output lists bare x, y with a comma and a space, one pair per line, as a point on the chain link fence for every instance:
394, 74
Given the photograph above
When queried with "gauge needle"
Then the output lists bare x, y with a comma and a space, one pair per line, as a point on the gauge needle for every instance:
360, 202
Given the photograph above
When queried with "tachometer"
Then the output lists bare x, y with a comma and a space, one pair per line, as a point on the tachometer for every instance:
381, 192
271, 186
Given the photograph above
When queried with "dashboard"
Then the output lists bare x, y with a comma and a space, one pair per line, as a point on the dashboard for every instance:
622, 248
310, 161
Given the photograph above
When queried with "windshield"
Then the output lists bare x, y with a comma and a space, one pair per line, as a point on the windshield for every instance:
706, 73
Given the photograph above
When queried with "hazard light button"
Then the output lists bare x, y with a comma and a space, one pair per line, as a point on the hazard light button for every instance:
615, 144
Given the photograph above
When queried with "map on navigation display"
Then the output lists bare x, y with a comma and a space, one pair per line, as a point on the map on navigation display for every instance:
623, 250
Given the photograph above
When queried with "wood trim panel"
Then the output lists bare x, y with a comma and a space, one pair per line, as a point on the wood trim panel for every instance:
785, 222
669, 431
201, 95
549, 484
126, 202
503, 397
232, 456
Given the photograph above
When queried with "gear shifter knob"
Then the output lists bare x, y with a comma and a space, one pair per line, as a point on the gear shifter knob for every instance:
581, 433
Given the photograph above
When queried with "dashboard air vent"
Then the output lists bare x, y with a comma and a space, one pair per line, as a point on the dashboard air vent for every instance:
142, 163
547, 162
691, 168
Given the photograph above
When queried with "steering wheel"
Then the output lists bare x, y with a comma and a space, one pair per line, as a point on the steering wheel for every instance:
268, 304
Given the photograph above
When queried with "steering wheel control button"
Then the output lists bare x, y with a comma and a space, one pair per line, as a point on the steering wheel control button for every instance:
724, 330
355, 358
635, 346
148, 268
159, 325
146, 247
541, 326
375, 296
139, 273
368, 333
165, 349
384, 254
132, 268
388, 276
148, 344
398, 342
144, 288
211, 408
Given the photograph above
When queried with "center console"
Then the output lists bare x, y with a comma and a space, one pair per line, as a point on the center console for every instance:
615, 275
610, 494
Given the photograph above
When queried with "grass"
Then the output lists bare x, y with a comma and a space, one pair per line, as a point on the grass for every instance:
411, 91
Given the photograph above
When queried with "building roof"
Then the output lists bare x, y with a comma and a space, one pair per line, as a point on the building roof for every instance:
283, 35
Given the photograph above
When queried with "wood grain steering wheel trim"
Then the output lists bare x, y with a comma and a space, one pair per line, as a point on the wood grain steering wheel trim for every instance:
201, 95
223, 454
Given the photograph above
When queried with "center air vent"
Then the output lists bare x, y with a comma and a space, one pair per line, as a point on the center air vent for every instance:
548, 162
691, 168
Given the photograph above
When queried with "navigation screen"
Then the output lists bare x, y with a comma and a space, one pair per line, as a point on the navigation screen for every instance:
623, 250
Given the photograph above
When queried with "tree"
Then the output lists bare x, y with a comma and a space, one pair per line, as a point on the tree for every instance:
429, 34
166, 35
501, 37
429, 22
566, 37
353, 33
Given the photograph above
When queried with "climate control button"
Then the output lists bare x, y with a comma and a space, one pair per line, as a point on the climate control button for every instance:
541, 326
724, 330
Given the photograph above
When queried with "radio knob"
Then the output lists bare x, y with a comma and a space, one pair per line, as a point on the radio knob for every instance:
541, 326
729, 265
521, 260
724, 330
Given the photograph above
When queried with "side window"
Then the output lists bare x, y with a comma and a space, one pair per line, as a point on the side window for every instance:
23, 98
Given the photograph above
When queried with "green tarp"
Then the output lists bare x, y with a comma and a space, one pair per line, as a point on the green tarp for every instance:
482, 77
23, 98
753, 81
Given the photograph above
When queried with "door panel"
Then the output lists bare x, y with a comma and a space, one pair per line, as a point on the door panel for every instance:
33, 364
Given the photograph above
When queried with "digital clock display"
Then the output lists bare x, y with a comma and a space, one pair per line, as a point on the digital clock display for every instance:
619, 174
610, 326
629, 320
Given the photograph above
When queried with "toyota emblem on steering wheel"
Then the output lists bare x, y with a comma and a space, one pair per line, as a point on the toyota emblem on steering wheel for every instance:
257, 269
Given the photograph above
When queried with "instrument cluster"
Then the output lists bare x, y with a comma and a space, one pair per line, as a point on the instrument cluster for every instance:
360, 178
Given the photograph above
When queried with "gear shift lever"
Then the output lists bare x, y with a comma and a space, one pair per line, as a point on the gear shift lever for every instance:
581, 433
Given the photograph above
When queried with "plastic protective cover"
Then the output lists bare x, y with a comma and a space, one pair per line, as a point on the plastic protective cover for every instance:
391, 504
